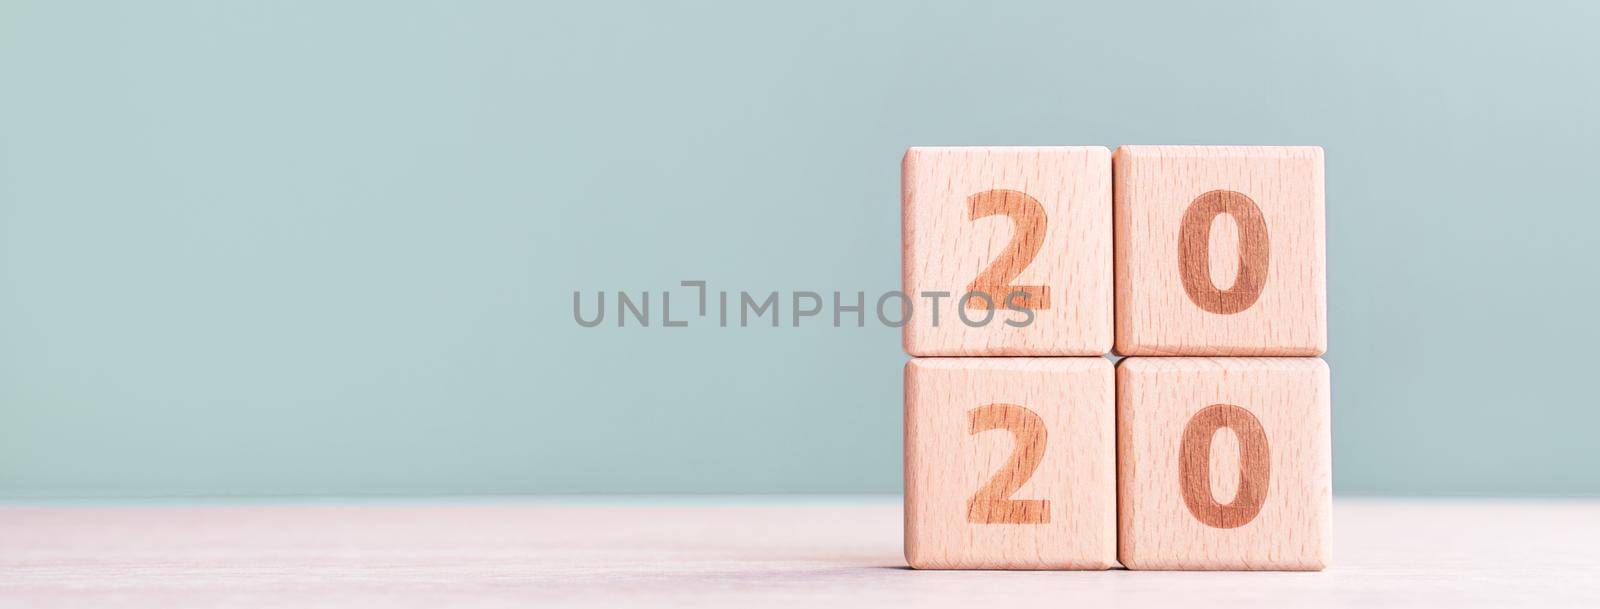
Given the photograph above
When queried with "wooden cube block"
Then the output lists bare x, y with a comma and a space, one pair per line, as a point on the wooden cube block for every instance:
1010, 463
1018, 241
1223, 463
1220, 250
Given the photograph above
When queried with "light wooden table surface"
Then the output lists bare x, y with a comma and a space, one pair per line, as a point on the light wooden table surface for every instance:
734, 552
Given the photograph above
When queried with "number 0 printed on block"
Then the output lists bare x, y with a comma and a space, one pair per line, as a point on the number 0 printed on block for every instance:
1219, 250
1223, 463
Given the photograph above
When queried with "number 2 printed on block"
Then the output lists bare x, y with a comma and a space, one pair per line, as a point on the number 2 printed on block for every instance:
993, 503
1028, 222
1010, 463
1007, 251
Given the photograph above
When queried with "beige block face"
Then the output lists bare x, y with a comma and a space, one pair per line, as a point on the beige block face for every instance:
1223, 463
1029, 226
1010, 463
1220, 250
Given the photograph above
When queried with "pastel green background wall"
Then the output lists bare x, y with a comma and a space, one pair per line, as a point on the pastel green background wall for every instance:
329, 247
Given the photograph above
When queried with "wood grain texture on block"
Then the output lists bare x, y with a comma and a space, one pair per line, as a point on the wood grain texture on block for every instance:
1024, 231
1223, 463
1010, 463
1220, 250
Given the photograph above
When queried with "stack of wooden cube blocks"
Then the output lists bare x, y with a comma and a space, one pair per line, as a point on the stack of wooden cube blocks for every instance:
1206, 447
